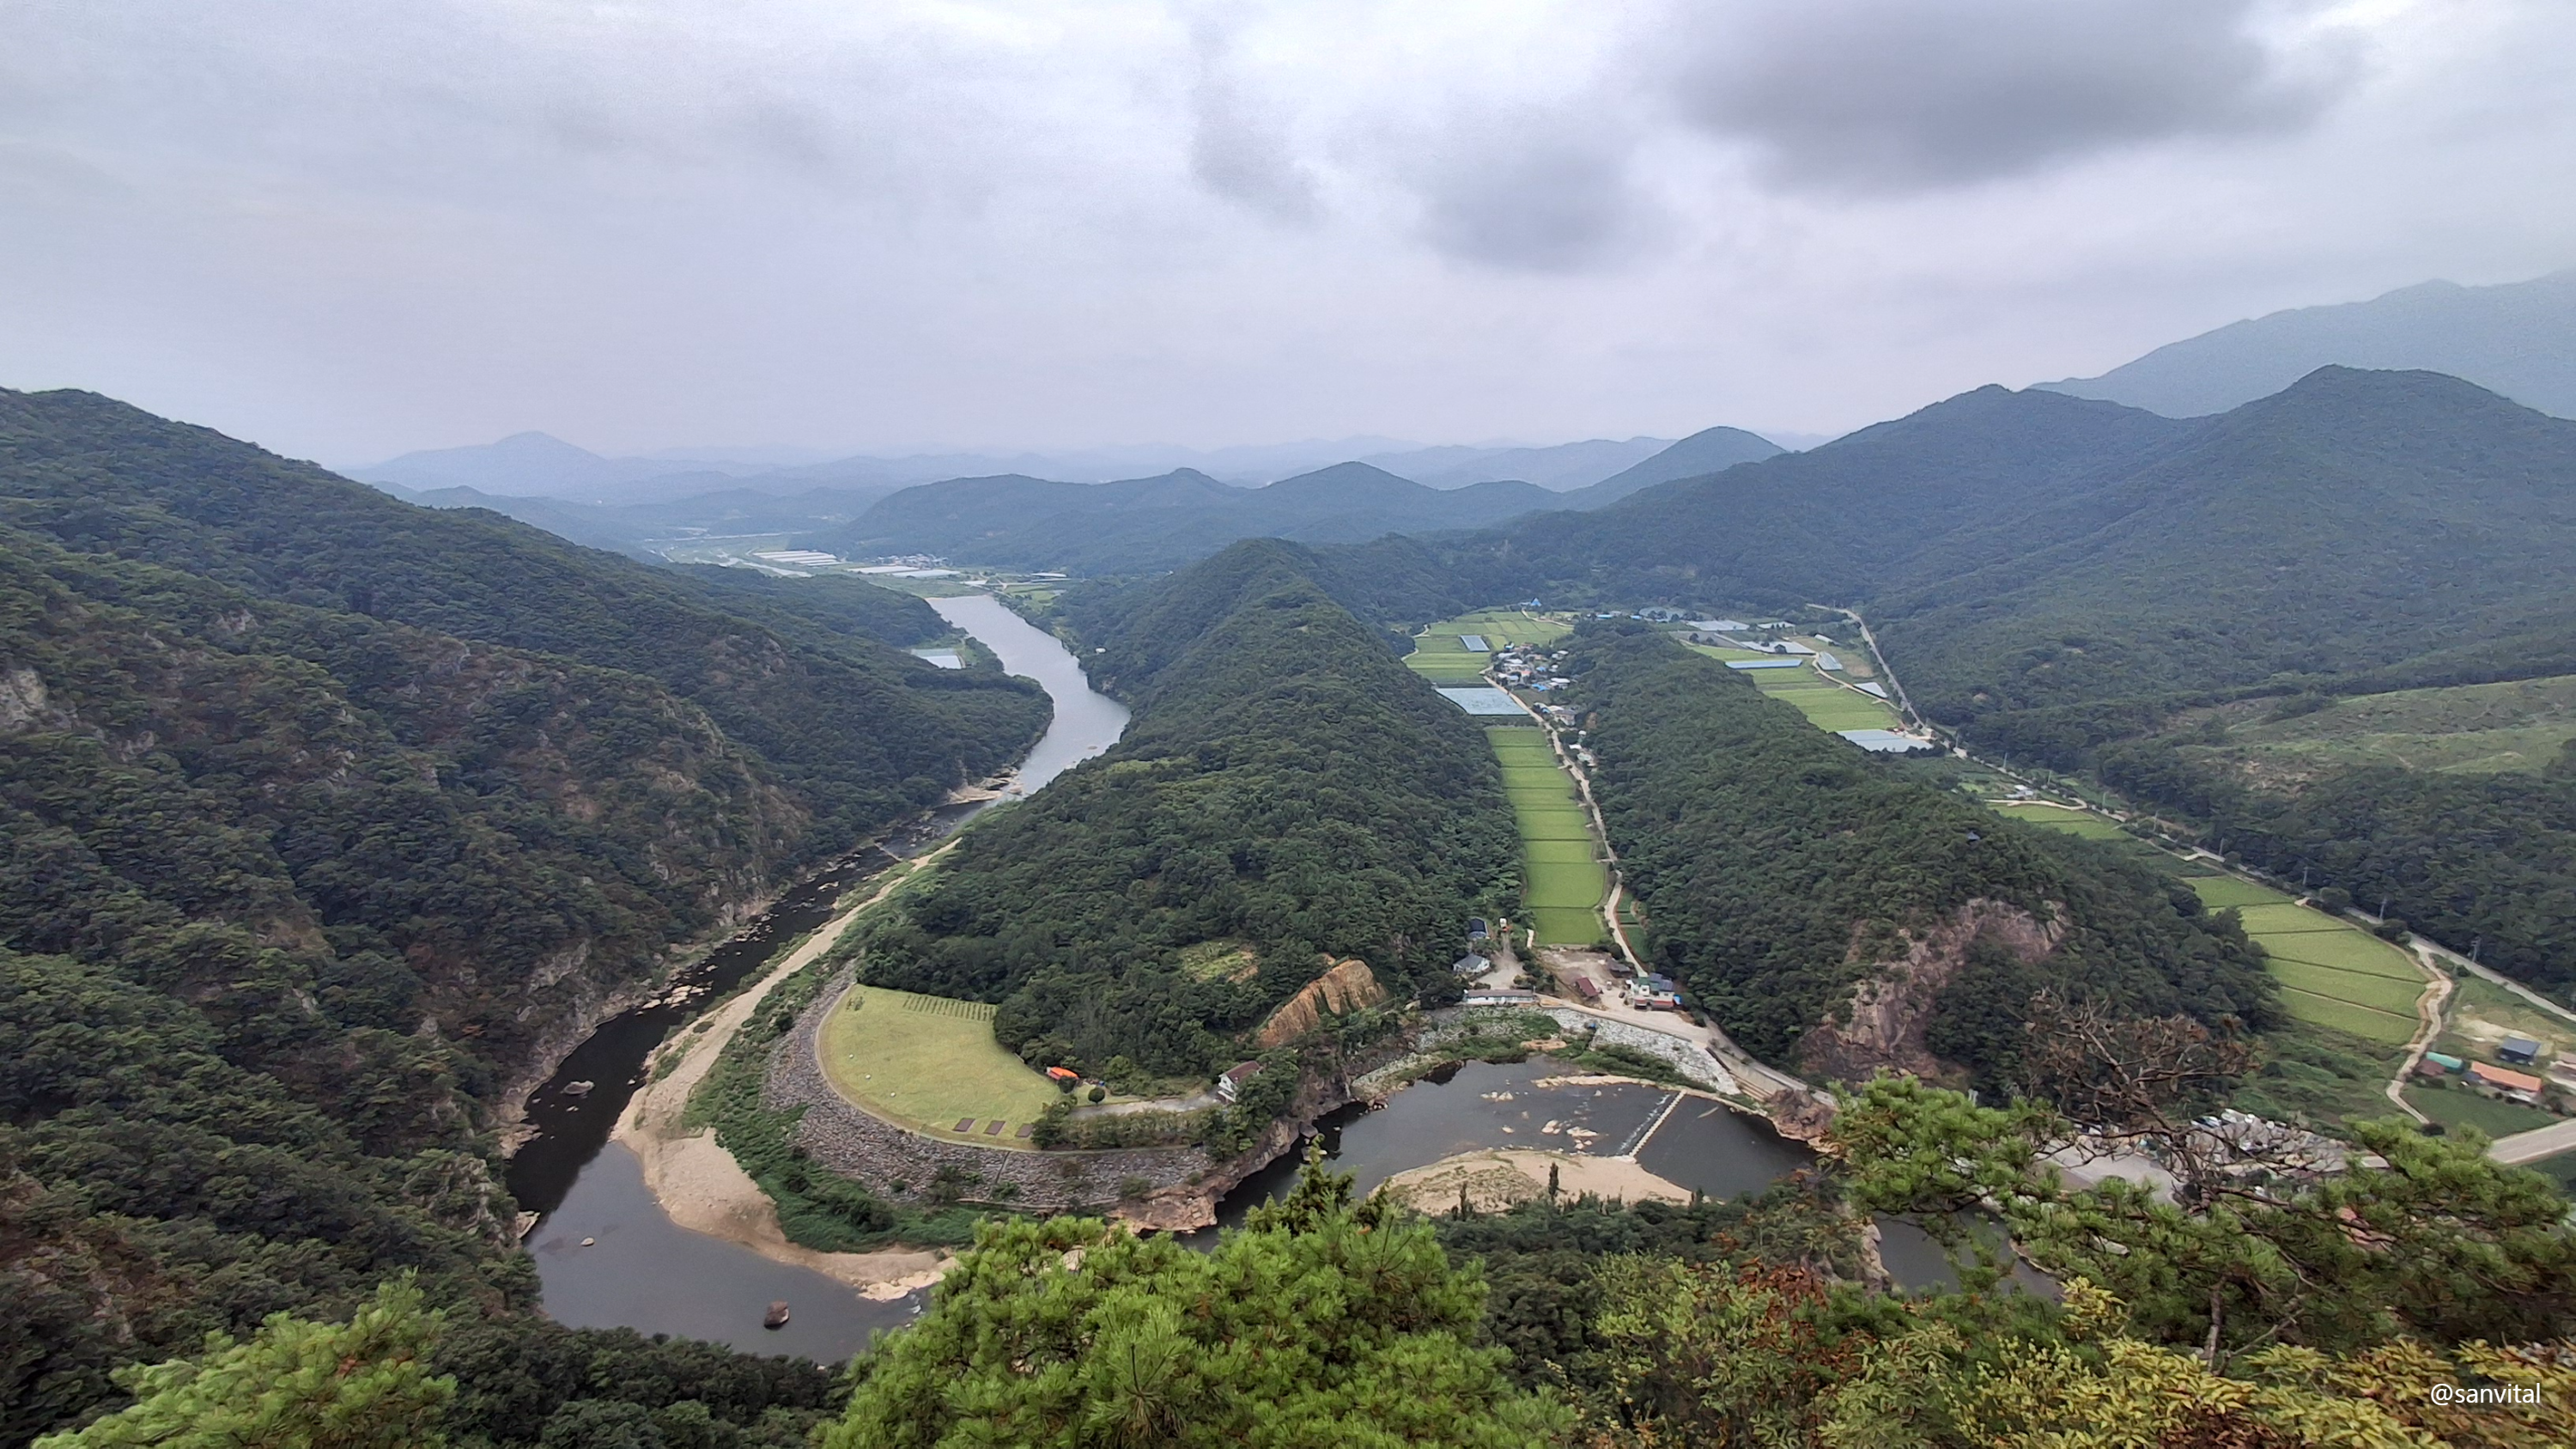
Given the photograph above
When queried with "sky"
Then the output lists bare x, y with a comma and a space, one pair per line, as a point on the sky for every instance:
349, 230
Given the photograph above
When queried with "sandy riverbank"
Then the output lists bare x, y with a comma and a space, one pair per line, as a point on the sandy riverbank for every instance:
1496, 1178
700, 1185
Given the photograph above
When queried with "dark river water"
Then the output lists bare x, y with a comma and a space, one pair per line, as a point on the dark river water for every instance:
1697, 1144
640, 1270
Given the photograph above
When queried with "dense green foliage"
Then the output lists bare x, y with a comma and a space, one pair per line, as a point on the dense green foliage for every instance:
1779, 866
1317, 1324
318, 812
2424, 1237
837, 603
297, 1385
2463, 858
1285, 783
860, 730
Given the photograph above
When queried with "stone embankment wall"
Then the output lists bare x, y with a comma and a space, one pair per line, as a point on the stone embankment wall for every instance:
840, 1136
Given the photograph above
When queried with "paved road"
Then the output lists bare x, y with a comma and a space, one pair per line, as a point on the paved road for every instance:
2535, 1144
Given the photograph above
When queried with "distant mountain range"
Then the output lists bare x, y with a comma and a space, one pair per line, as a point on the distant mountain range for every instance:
2033, 552
1144, 524
2518, 340
1018, 518
539, 465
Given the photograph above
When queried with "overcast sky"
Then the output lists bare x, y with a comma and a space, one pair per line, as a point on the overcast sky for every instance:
345, 230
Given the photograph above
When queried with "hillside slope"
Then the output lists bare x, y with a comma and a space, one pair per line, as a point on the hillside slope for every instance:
1834, 913
324, 819
2518, 340
1286, 784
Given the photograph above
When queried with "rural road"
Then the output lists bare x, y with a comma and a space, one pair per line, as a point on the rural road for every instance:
2535, 1144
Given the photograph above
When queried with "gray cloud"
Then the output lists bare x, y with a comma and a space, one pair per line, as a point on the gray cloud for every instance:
1895, 95
1536, 191
1244, 156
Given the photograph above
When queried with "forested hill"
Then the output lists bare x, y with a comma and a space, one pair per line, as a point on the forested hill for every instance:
1145, 524
1780, 869
1286, 787
861, 730
2022, 551
319, 813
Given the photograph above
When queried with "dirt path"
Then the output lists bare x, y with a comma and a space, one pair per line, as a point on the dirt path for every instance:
2428, 1025
700, 1185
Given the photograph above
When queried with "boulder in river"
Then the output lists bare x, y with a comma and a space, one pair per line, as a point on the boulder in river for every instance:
776, 1317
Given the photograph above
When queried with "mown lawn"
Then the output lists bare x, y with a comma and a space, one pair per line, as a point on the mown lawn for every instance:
930, 1062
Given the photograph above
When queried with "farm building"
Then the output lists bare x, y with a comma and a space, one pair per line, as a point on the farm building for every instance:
1766, 664
2521, 1086
2522, 1051
1471, 964
1476, 930
1584, 988
1064, 1076
1496, 997
2444, 1061
2431, 1068
1232, 1082
1829, 662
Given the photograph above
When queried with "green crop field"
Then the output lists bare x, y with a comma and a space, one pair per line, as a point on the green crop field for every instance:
1566, 926
2057, 817
930, 1062
1562, 879
1580, 884
2332, 972
1566, 824
2361, 988
2459, 1107
2362, 1021
2348, 949
2218, 892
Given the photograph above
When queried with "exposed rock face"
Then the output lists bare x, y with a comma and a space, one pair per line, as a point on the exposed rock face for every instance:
1344, 989
1882, 1026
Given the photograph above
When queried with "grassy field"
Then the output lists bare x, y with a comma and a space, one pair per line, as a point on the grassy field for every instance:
2482, 1014
2058, 817
2465, 729
931, 1063
1562, 878
2459, 1107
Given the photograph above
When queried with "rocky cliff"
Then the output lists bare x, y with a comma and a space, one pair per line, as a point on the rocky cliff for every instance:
1881, 1027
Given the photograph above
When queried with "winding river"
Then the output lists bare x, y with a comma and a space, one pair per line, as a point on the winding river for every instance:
608, 1256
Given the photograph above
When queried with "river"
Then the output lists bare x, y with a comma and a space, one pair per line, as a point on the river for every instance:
607, 1256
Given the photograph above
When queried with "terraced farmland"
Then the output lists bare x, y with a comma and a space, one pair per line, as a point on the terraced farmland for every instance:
1562, 877
2331, 972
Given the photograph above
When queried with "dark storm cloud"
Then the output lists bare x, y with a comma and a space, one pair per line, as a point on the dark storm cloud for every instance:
1899, 95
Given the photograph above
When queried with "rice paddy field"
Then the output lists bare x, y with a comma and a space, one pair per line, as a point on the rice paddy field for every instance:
2331, 972
1439, 656
1563, 879
1826, 704
930, 1063
2058, 817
